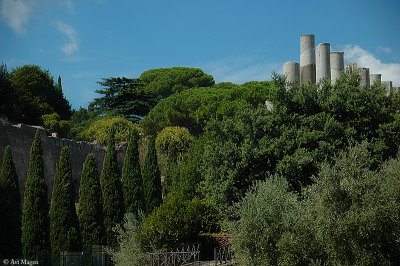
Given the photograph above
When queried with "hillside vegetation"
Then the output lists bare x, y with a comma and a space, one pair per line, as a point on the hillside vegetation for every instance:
311, 179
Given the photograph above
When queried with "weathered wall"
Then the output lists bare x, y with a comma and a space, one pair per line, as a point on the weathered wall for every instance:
20, 138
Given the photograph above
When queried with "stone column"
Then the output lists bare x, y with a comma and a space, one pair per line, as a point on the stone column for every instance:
375, 78
337, 65
388, 86
307, 58
364, 74
351, 67
292, 71
323, 61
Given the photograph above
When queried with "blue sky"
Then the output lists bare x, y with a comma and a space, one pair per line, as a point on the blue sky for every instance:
238, 41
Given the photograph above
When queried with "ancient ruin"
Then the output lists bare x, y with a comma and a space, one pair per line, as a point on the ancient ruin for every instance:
320, 63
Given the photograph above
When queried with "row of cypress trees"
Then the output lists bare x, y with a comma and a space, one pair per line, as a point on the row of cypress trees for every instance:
102, 201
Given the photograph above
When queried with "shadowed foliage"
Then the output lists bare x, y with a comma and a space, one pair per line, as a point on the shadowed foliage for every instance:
10, 218
35, 210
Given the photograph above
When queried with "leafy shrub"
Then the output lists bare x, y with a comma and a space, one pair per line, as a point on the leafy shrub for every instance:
101, 129
178, 221
52, 123
131, 250
171, 144
263, 220
350, 216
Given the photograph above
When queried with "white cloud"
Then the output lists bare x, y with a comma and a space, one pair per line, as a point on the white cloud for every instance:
16, 13
363, 58
239, 69
71, 41
386, 50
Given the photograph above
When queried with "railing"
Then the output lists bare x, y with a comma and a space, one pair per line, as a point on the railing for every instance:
185, 255
223, 255
91, 255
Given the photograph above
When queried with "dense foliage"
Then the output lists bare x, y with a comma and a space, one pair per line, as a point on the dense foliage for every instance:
260, 156
90, 211
305, 128
350, 216
10, 218
35, 209
35, 94
132, 249
132, 182
151, 177
193, 108
7, 99
64, 229
171, 144
167, 81
105, 127
123, 97
112, 194
178, 221
53, 124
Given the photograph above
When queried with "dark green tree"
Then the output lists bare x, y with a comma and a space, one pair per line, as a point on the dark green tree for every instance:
171, 144
64, 229
167, 81
132, 182
90, 211
151, 177
36, 95
35, 209
8, 99
123, 97
10, 218
59, 86
193, 108
111, 187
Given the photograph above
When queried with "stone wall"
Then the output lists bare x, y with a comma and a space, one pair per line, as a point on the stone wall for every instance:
20, 138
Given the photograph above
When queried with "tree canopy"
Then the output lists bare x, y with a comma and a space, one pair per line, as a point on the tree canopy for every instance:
301, 132
123, 97
36, 94
167, 81
349, 216
192, 108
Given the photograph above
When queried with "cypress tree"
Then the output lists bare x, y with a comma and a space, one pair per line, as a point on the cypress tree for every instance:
132, 177
90, 211
111, 187
64, 230
10, 210
151, 177
35, 210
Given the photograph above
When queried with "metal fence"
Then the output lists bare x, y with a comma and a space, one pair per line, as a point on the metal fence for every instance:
185, 255
91, 256
223, 255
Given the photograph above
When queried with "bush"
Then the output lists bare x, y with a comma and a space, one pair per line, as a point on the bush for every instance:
53, 124
263, 220
131, 250
178, 221
350, 216
101, 130
171, 144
